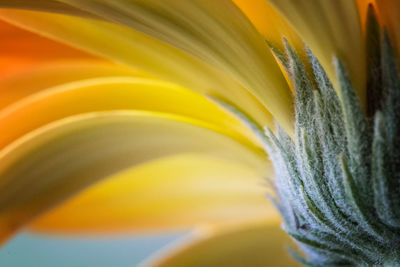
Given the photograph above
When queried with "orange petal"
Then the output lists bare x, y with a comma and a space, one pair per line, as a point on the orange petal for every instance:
20, 48
49, 74
145, 53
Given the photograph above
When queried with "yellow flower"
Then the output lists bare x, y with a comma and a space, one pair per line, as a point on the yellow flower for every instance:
129, 131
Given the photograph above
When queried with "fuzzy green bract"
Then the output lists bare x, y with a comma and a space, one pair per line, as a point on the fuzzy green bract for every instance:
337, 183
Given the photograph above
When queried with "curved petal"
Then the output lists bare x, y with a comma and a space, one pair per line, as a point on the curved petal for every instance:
274, 27
140, 51
259, 244
20, 49
41, 5
270, 23
44, 75
111, 93
164, 194
329, 28
52, 163
223, 39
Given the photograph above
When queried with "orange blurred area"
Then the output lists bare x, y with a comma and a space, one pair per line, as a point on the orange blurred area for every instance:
269, 22
20, 49
389, 13
363, 10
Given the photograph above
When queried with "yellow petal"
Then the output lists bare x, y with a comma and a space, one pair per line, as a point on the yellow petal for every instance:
389, 11
142, 52
164, 194
52, 163
111, 93
46, 5
261, 244
270, 23
31, 80
330, 27
224, 39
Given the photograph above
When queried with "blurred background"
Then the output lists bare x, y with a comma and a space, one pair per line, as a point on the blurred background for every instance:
27, 249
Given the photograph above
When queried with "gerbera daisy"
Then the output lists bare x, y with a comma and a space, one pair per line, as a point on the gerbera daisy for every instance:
150, 115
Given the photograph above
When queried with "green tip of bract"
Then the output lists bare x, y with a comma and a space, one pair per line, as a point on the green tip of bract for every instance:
338, 182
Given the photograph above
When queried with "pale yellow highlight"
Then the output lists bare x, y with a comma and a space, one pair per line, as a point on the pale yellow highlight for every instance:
110, 93
56, 72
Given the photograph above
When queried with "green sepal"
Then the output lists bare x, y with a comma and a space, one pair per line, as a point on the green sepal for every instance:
336, 207
374, 64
